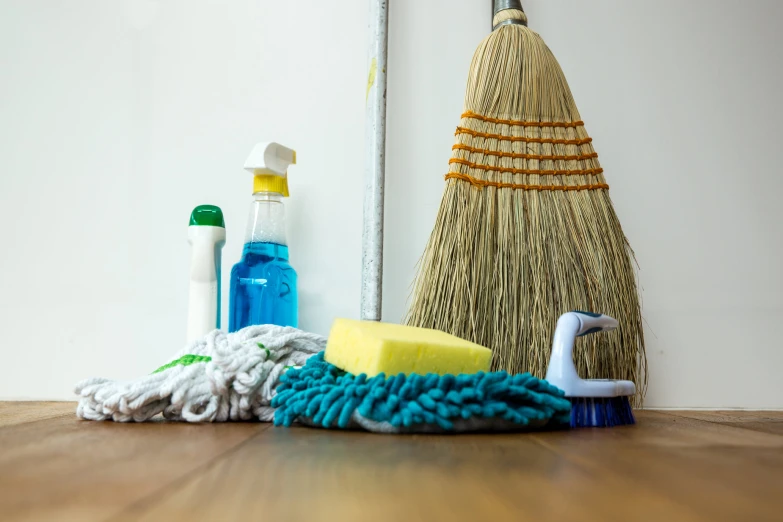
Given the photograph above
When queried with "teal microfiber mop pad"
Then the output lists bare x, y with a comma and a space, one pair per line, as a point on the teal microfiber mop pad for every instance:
320, 394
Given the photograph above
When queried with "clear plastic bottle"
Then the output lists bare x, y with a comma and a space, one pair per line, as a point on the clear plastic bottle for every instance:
263, 282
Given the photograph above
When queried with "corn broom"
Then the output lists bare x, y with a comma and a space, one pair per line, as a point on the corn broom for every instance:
526, 230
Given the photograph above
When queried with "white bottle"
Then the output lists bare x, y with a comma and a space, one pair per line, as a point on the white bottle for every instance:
206, 235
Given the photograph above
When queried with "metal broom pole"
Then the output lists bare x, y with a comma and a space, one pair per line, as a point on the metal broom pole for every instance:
375, 163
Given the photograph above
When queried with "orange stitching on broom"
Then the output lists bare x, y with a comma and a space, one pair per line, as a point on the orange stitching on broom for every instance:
518, 123
482, 183
463, 130
587, 172
538, 157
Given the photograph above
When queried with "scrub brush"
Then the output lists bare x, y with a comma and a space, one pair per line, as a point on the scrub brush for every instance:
594, 402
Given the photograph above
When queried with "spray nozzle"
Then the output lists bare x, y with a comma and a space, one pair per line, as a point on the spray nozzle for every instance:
269, 164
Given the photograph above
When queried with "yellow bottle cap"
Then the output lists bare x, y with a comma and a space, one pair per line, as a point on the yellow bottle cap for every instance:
270, 183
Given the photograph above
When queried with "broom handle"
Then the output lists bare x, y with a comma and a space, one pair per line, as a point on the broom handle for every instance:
500, 5
375, 163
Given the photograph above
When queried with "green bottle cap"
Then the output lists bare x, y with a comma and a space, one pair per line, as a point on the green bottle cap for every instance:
207, 216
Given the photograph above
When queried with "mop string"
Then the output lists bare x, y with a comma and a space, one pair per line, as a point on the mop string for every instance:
500, 137
484, 183
520, 123
514, 155
478, 166
219, 377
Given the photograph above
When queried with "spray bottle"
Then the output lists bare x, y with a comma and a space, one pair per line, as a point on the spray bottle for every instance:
263, 283
206, 235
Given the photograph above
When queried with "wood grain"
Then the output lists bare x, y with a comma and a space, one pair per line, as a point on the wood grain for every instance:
308, 474
12, 413
665, 468
764, 421
689, 466
718, 472
66, 469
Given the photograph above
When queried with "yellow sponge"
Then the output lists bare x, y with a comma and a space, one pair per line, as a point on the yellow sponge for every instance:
373, 348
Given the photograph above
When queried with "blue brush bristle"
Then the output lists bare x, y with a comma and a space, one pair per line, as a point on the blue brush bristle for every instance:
600, 412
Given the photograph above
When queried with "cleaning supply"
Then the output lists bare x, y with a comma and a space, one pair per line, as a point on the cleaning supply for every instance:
375, 161
206, 235
371, 348
323, 395
594, 402
263, 283
278, 373
270, 372
220, 377
526, 230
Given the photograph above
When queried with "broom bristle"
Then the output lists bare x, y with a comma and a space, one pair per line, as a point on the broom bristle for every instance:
526, 230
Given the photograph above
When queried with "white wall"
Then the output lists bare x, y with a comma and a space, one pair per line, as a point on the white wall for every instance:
116, 118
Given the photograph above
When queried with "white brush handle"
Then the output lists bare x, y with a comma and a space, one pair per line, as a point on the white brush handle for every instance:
204, 291
562, 372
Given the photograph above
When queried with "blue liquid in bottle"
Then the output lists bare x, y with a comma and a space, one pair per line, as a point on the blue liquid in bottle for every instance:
263, 283
263, 288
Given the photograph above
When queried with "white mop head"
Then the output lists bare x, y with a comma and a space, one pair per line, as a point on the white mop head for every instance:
217, 378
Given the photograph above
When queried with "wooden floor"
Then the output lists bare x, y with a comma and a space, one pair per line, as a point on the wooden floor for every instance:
670, 466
